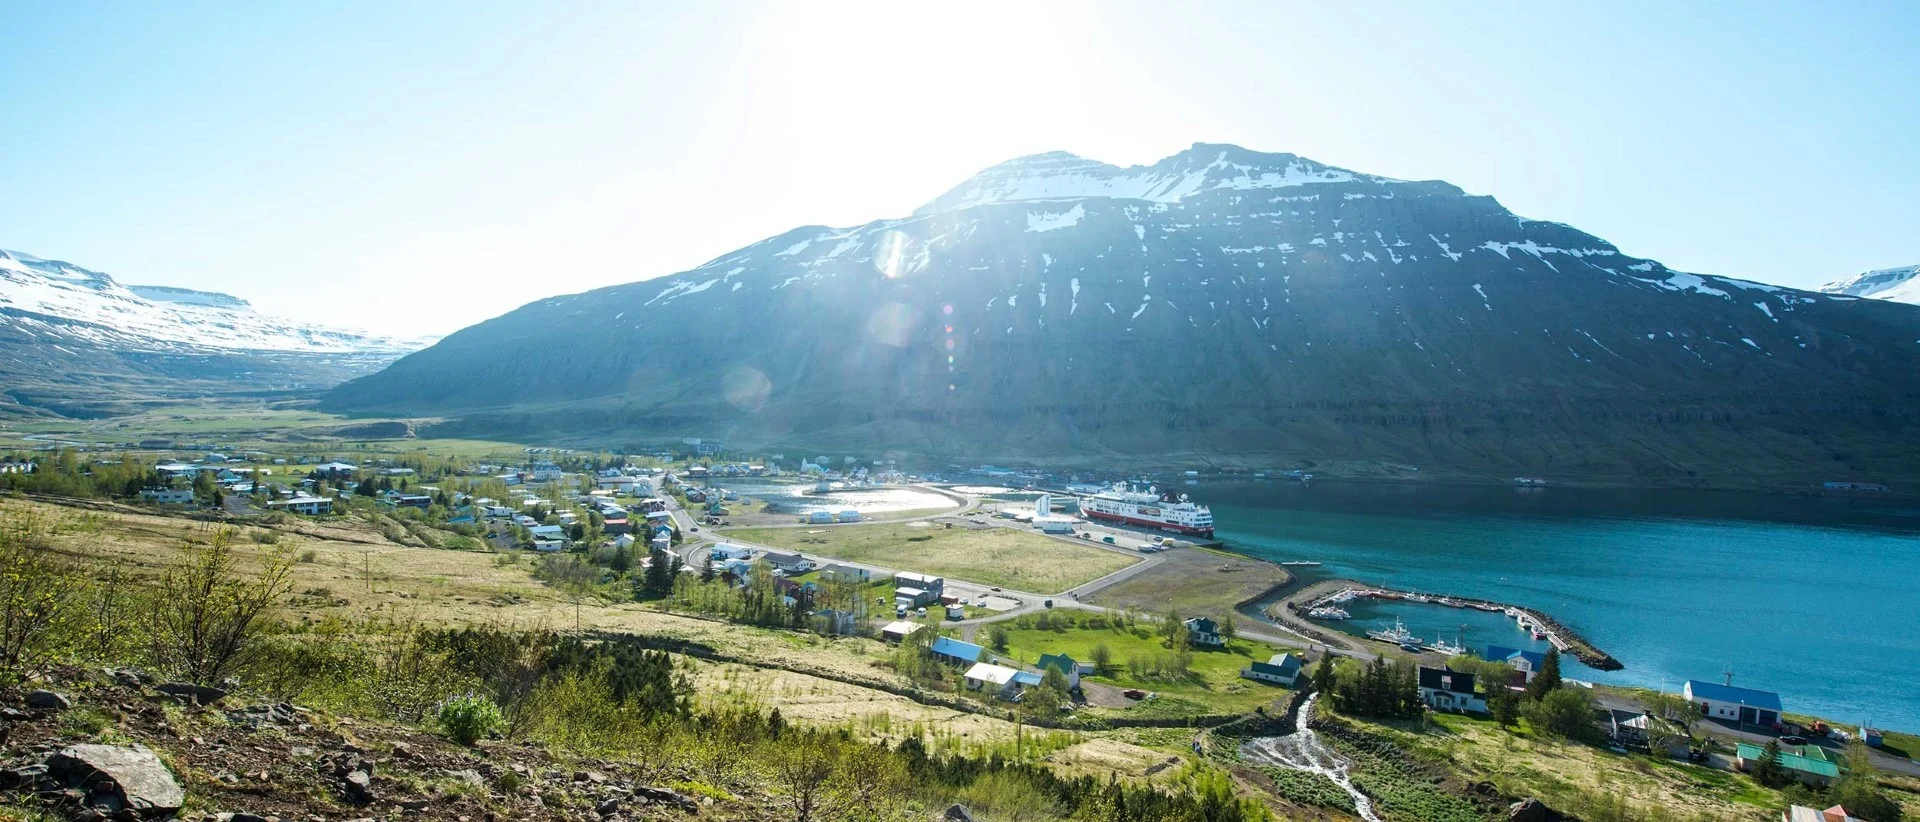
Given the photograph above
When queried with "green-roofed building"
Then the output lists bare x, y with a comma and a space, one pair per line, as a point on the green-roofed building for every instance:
1064, 664
1810, 764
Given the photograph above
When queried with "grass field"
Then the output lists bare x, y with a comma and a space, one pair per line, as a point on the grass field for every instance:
991, 556
1214, 685
1197, 582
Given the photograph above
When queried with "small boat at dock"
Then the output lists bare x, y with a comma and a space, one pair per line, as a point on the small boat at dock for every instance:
1329, 613
1398, 634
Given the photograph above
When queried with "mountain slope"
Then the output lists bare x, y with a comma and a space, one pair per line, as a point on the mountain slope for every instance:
76, 341
1901, 285
1220, 304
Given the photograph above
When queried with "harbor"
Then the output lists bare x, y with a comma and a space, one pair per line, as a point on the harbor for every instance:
1323, 605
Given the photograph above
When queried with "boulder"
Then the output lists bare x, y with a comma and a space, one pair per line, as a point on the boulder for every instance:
119, 777
957, 813
1531, 810
189, 692
665, 796
45, 700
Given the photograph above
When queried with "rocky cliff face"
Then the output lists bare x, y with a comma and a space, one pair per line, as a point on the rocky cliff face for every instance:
1222, 303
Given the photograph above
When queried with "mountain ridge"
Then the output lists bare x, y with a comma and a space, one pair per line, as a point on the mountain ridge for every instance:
1251, 306
76, 341
1900, 284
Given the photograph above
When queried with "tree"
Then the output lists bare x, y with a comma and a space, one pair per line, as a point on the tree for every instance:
801, 764
1675, 709
1767, 770
37, 589
1050, 695
1228, 630
1102, 659
1547, 679
204, 620
1563, 713
1858, 788
997, 638
1324, 679
706, 566
1504, 703
1171, 623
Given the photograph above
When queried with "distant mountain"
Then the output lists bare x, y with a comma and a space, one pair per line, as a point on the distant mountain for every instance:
75, 341
1220, 305
1901, 285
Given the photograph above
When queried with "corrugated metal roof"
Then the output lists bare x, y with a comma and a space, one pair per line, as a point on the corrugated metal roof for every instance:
1738, 696
948, 646
1809, 758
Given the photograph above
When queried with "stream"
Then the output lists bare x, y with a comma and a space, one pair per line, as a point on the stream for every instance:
1302, 750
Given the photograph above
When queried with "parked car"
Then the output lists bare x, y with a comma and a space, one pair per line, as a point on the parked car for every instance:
1134, 693
1793, 740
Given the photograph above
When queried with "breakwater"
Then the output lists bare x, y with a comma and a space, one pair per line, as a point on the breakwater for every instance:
1333, 592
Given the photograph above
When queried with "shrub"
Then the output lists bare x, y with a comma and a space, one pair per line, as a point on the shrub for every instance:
468, 719
210, 610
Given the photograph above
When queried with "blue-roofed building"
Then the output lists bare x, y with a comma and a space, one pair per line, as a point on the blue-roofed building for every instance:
1527, 663
1023, 680
1280, 669
1744, 705
955, 652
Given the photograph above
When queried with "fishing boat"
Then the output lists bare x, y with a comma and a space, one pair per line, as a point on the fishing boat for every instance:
1539, 634
1457, 646
1302, 563
1329, 613
1398, 634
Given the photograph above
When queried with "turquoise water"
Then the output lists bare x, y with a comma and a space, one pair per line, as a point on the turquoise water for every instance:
1817, 598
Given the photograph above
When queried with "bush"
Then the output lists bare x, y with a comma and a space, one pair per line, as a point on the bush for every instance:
468, 719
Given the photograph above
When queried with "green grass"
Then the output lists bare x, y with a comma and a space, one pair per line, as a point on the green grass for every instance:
995, 556
1213, 685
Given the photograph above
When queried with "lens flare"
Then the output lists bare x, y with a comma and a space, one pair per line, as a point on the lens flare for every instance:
889, 254
891, 324
746, 388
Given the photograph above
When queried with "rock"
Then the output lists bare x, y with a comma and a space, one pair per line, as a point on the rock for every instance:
608, 808
247, 817
128, 677
21, 777
665, 796
469, 776
45, 700
189, 692
359, 787
957, 813
131, 777
1531, 810
402, 750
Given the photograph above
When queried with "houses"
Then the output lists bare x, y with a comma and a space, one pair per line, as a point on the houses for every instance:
419, 501
955, 652
1204, 632
1811, 764
905, 597
623, 541
311, 506
1443, 689
167, 496
1280, 669
817, 517
999, 679
336, 468
836, 572
1064, 664
1743, 705
897, 631
1524, 663
835, 621
726, 551
849, 515
787, 562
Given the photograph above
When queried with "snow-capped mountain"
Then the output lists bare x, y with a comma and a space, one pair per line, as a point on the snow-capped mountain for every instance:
1901, 285
75, 341
1219, 304
89, 305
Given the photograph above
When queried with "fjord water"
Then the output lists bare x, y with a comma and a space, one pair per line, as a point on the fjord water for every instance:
1816, 597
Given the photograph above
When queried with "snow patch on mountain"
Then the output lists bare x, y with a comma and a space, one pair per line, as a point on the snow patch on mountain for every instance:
90, 305
1901, 285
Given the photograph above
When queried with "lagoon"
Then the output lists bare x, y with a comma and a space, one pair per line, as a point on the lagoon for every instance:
1815, 597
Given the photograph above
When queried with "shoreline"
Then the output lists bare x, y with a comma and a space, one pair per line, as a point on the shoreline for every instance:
1568, 641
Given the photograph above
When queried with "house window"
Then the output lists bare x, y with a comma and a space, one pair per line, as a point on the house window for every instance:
1446, 682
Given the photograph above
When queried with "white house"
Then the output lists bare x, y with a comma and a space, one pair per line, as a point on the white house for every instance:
897, 631
1717, 701
311, 506
837, 572
1204, 632
1444, 689
936, 586
623, 541
999, 679
167, 496
1280, 669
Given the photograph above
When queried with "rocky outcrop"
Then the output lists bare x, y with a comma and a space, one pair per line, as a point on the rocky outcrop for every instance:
111, 779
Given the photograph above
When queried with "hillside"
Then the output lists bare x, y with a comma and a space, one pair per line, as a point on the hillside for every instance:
1221, 304
76, 342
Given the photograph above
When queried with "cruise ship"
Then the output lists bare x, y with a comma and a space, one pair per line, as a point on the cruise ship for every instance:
1150, 509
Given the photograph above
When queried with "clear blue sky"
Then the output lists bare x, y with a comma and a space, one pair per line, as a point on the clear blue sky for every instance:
417, 166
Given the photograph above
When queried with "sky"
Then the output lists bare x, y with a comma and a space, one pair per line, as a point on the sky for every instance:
414, 167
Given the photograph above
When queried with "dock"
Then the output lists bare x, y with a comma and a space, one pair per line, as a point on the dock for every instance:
1559, 636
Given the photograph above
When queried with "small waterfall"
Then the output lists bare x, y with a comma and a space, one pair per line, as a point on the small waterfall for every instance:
1302, 750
